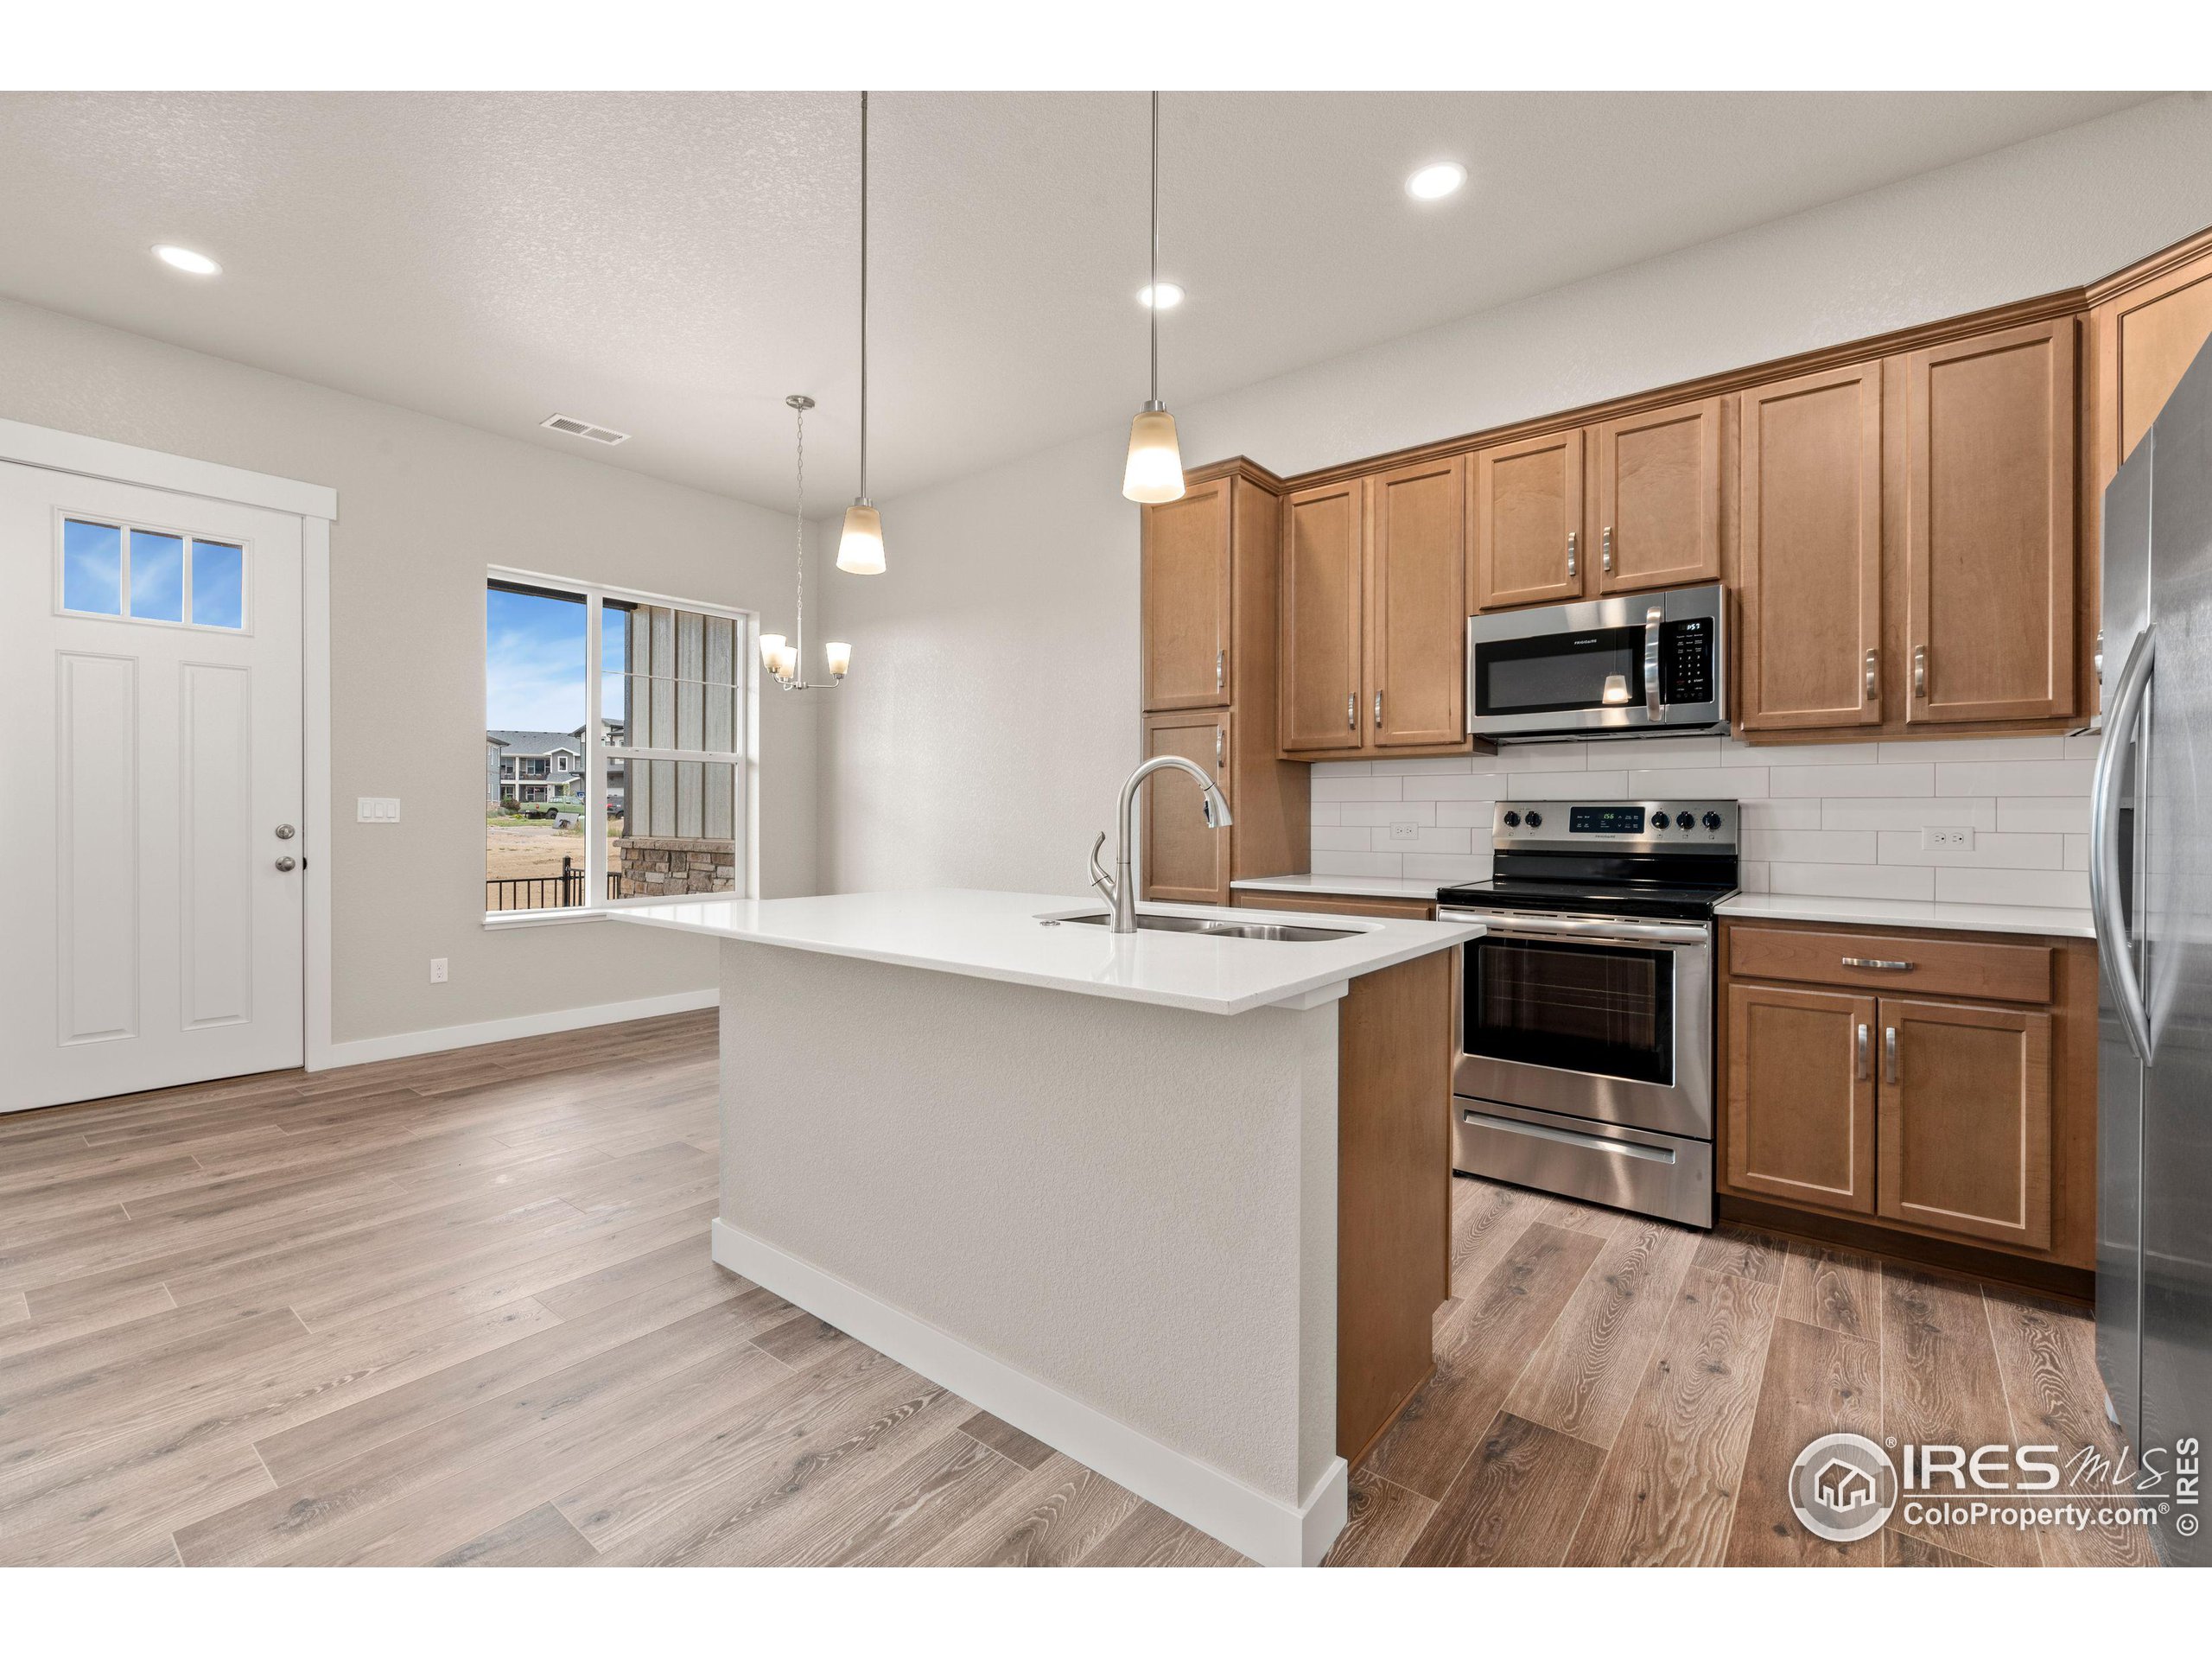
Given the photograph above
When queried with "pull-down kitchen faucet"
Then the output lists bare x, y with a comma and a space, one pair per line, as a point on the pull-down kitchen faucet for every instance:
1119, 890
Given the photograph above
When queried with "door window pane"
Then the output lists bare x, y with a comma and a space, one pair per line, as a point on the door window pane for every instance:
218, 585
156, 576
91, 567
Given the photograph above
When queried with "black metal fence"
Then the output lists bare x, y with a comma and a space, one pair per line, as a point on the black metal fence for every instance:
561, 891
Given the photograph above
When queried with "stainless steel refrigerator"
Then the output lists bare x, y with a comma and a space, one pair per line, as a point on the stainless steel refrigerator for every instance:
2151, 886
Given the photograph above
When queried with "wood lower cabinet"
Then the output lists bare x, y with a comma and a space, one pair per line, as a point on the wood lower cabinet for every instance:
1990, 440
1961, 1120
1966, 1119
1185, 565
1808, 540
1659, 497
1801, 1096
1411, 910
1525, 522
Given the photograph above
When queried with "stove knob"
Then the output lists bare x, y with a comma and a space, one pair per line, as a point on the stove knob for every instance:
1682, 820
1536, 820
1713, 820
1513, 820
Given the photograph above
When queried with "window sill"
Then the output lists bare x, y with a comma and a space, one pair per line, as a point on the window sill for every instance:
498, 921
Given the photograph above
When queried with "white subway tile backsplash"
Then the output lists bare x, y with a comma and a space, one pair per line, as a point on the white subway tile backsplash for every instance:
2064, 889
1883, 812
1337, 787
1825, 818
1371, 813
1359, 864
2083, 745
1854, 881
2054, 815
2003, 778
1698, 783
1570, 785
1869, 779
1992, 852
1810, 846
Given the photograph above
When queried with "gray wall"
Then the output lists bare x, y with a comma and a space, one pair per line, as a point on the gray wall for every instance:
424, 506
996, 717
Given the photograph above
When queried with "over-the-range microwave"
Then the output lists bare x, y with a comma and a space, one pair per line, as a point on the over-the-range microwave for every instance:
1630, 666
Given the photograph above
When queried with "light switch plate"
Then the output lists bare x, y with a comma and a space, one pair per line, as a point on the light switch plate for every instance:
379, 809
1946, 837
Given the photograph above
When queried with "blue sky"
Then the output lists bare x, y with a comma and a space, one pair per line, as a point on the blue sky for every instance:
534, 664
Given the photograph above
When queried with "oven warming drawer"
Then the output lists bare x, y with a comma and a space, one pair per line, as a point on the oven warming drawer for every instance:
1665, 1175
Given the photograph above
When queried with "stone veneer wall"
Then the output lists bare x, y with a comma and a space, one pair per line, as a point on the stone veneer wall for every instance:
655, 866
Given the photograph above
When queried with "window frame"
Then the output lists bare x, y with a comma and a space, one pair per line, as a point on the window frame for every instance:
745, 761
127, 528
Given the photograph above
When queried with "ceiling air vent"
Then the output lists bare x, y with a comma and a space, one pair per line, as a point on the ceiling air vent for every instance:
577, 429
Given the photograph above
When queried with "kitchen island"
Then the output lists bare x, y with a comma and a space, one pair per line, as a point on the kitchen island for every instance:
1175, 1203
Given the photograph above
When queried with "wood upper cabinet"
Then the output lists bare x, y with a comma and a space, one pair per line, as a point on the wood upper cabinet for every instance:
1990, 426
1809, 551
1966, 1119
1186, 598
1417, 606
1801, 1096
1659, 497
1526, 530
1186, 861
2147, 332
1324, 530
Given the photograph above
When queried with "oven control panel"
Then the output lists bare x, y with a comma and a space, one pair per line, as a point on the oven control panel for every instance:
1646, 826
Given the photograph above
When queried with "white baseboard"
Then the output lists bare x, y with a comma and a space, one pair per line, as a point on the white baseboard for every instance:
1271, 1533
401, 1044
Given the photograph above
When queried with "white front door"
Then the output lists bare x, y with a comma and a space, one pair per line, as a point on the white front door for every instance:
151, 808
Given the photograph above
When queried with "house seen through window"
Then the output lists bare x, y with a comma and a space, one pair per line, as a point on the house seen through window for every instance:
631, 787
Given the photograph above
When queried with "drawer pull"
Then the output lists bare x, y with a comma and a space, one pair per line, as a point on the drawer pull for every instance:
1890, 1055
1862, 1067
1880, 965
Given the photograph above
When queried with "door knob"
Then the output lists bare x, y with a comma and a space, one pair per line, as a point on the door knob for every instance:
287, 863
285, 832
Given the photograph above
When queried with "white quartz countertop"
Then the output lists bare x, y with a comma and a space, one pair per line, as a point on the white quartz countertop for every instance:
1346, 886
1003, 936
1909, 913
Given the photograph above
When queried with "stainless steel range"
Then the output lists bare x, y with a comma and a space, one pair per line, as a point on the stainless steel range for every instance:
1585, 1059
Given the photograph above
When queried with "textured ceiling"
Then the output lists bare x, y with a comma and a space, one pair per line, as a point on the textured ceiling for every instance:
673, 264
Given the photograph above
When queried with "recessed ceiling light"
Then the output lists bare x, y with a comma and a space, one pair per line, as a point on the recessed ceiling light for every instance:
1171, 296
1436, 180
185, 259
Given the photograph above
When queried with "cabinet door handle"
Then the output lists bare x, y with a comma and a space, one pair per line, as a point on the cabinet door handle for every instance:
1863, 1051
1606, 551
1378, 711
1880, 964
1920, 670
1573, 549
1873, 695
1220, 746
1890, 1054
1351, 711
1220, 669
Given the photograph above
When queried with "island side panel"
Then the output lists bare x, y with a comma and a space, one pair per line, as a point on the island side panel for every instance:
1133, 1204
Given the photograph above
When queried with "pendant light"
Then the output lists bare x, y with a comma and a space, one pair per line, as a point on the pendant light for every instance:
1154, 473
859, 547
786, 659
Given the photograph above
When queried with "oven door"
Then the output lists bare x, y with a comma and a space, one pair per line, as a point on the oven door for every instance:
1590, 1017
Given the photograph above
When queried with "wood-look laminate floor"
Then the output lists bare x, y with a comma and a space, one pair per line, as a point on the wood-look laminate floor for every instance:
458, 1309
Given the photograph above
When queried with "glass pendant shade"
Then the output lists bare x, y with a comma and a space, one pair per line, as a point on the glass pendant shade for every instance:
1154, 473
839, 656
772, 650
860, 549
787, 662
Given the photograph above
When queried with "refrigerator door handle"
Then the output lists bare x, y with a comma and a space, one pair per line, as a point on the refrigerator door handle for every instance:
2106, 909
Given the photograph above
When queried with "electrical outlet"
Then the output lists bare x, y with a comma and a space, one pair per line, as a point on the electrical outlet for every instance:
1946, 838
437, 970
1405, 832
